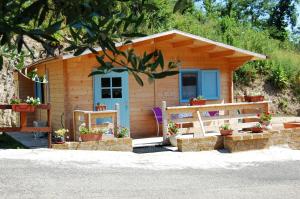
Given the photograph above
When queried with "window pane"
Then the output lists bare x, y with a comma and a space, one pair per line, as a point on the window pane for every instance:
105, 93
189, 85
105, 82
116, 82
117, 92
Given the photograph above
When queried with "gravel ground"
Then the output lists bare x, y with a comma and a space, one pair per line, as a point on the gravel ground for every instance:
45, 173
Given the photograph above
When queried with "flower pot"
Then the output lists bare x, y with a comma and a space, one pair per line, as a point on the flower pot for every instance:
257, 98
100, 107
256, 130
291, 125
173, 139
197, 102
226, 132
59, 140
23, 108
266, 124
91, 137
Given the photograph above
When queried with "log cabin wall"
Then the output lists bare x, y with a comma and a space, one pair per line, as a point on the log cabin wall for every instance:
79, 87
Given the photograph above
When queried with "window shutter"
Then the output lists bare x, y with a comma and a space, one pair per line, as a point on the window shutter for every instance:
210, 84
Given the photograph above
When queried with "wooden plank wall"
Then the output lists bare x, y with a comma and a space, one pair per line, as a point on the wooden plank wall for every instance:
71, 88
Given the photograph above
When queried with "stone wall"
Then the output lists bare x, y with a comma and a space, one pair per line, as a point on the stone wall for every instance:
247, 141
8, 89
294, 142
200, 144
116, 144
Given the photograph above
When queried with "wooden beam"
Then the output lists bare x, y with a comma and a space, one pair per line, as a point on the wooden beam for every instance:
224, 53
164, 38
143, 43
183, 43
205, 48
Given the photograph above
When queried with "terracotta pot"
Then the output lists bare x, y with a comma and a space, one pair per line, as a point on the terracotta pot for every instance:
100, 107
291, 125
226, 132
23, 108
257, 98
91, 137
197, 102
256, 130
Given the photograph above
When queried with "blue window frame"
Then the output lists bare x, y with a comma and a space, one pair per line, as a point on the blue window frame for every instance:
193, 83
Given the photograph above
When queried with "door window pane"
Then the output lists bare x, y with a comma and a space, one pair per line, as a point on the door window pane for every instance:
105, 82
105, 93
116, 82
188, 86
117, 92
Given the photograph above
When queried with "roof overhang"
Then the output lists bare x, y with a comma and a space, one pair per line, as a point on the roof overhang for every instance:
196, 44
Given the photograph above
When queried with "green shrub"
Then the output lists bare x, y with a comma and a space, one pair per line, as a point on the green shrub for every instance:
279, 78
245, 75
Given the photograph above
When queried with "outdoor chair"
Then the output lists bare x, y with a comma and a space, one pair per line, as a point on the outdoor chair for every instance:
158, 117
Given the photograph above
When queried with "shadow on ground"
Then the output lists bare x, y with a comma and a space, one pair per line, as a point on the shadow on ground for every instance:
150, 149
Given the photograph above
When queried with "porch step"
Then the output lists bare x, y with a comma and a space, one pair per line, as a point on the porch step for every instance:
147, 142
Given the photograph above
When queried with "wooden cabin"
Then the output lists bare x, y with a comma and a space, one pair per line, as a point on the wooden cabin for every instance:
206, 68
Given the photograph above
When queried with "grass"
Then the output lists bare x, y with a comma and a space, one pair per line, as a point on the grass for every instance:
6, 142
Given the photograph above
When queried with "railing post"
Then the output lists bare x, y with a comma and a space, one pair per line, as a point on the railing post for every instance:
117, 107
164, 120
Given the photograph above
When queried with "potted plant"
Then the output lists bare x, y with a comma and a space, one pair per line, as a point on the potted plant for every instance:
100, 107
257, 128
94, 134
265, 119
59, 135
173, 131
254, 97
225, 130
197, 101
122, 132
29, 106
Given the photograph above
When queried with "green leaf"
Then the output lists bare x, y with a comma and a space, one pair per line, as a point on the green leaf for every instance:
100, 60
79, 51
160, 60
96, 72
138, 79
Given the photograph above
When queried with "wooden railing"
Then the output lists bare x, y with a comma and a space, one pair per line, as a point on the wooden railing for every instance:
90, 117
238, 115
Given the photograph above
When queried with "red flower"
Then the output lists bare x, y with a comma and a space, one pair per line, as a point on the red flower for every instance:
258, 115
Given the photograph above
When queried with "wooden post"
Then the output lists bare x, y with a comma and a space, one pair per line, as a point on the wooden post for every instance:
117, 125
201, 126
164, 120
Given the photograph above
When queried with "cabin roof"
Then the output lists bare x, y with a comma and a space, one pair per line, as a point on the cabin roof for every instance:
193, 42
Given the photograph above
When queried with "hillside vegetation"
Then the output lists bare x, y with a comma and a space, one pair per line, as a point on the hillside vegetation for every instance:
278, 78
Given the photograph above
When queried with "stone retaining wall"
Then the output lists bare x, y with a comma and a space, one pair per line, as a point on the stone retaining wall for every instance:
200, 144
247, 141
116, 144
294, 142
242, 141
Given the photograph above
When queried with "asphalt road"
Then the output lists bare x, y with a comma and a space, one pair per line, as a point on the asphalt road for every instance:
29, 179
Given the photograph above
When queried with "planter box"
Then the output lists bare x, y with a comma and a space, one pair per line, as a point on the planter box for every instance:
256, 130
291, 125
114, 144
197, 102
23, 108
257, 98
91, 137
226, 132
100, 107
